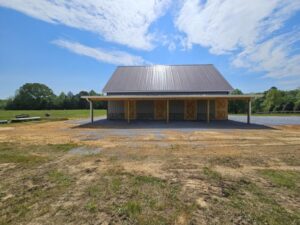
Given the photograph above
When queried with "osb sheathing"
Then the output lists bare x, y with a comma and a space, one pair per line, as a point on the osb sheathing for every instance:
160, 109
132, 109
190, 110
221, 109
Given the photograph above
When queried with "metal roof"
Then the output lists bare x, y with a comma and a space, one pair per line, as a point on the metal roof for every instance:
167, 78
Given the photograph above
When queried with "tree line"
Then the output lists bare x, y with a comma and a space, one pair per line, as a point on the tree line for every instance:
272, 100
35, 96
39, 96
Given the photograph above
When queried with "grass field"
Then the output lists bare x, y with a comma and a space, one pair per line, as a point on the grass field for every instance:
80, 113
270, 114
54, 114
62, 173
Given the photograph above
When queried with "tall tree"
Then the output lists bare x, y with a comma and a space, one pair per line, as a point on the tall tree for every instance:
82, 103
237, 106
33, 96
274, 100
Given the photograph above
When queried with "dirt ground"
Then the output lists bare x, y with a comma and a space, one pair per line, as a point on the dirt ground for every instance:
62, 173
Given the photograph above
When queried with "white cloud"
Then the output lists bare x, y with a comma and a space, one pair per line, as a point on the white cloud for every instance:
246, 28
275, 56
226, 25
171, 40
112, 57
123, 22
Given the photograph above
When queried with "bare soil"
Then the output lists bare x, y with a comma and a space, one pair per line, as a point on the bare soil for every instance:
148, 176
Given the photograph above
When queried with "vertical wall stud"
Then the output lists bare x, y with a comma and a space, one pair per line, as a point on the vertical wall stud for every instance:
207, 110
168, 111
249, 111
91, 111
128, 111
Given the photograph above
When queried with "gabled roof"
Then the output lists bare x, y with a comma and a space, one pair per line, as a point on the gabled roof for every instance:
167, 78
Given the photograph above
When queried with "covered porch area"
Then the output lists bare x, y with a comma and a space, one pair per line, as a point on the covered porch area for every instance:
168, 107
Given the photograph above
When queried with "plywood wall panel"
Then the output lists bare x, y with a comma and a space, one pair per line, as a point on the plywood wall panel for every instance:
221, 108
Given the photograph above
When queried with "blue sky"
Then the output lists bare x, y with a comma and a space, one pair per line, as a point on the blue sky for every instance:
76, 45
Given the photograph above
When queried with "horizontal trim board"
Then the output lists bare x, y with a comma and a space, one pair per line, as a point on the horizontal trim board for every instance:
166, 97
158, 93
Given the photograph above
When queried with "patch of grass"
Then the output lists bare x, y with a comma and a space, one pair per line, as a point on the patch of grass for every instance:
113, 158
30, 154
62, 147
211, 174
12, 153
94, 191
131, 209
116, 184
226, 161
280, 178
138, 199
174, 147
54, 114
148, 180
13, 157
254, 160
91, 207
243, 202
60, 178
2, 194
260, 208
32, 195
290, 159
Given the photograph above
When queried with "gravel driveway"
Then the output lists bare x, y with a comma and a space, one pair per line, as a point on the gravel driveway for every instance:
235, 121
268, 120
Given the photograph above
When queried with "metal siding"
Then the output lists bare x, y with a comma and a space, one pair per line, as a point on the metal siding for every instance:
212, 109
173, 78
176, 110
202, 110
145, 110
115, 110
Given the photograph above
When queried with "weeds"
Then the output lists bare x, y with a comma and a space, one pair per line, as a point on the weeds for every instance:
226, 161
139, 180
62, 147
247, 203
260, 207
131, 209
211, 174
91, 207
116, 184
60, 178
286, 179
136, 198
30, 155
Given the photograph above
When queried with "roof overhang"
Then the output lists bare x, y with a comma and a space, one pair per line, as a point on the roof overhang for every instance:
166, 97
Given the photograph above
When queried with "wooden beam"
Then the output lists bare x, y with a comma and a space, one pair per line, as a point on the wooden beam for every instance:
168, 111
207, 112
165, 97
128, 111
249, 112
91, 111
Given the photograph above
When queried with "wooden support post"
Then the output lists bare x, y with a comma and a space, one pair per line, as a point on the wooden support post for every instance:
249, 111
91, 111
128, 111
168, 111
207, 111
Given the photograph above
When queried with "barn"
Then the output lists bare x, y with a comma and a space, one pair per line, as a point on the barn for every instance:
167, 92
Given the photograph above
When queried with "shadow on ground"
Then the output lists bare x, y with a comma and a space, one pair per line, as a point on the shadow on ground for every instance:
120, 124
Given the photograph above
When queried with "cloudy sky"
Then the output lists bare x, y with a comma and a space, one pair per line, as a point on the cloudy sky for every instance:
75, 45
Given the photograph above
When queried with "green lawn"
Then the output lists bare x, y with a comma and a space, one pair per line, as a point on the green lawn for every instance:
55, 114
268, 114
